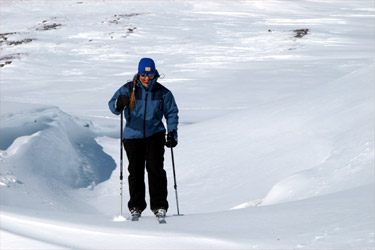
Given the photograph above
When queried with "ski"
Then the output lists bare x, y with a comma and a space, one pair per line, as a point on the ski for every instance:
160, 215
161, 219
135, 217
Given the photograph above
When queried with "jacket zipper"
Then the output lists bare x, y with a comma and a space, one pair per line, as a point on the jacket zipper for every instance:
144, 118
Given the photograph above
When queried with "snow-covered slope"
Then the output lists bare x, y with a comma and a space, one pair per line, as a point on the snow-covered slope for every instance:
276, 140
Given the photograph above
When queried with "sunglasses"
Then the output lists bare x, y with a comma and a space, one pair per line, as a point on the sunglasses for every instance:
149, 75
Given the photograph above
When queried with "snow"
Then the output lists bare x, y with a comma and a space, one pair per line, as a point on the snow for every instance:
276, 137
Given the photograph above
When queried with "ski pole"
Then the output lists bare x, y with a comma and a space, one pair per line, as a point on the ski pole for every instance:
175, 182
121, 157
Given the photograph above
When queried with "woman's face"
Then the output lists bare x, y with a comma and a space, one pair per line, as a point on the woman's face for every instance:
144, 78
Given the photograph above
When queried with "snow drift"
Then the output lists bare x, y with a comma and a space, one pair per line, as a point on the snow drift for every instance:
44, 148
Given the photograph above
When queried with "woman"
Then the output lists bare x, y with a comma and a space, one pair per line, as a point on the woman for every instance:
145, 102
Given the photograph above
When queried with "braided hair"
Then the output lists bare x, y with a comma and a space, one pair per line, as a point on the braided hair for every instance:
132, 97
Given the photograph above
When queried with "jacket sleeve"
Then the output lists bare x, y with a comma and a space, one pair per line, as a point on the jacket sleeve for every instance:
170, 111
112, 103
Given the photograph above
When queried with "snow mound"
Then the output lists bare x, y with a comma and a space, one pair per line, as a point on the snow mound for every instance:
119, 218
350, 163
324, 179
42, 144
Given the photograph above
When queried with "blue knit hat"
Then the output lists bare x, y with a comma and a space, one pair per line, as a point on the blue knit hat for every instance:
146, 66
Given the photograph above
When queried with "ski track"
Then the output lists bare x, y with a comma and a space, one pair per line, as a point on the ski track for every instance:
64, 236
12, 241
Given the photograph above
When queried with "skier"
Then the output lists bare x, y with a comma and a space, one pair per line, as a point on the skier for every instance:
145, 102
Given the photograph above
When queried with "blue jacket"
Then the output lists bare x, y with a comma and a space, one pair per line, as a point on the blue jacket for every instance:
152, 103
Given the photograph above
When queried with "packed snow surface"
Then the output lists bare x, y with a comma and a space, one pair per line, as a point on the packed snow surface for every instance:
276, 134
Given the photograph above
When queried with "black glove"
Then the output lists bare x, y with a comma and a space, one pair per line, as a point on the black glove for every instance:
122, 102
171, 141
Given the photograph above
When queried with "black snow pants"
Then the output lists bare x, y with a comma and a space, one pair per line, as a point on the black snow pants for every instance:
147, 153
